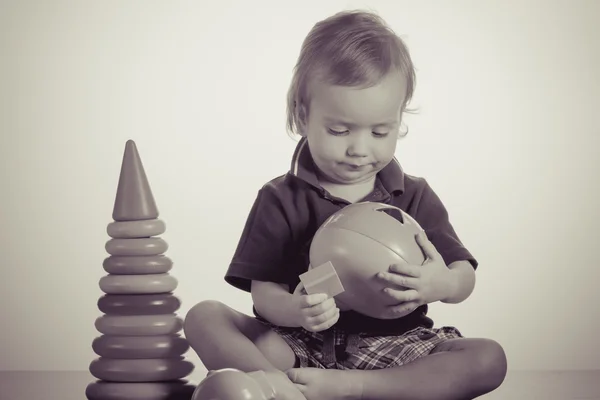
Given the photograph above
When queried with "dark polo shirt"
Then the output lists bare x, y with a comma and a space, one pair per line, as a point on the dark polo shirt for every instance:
275, 242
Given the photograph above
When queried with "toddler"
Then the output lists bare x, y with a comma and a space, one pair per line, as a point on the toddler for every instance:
351, 86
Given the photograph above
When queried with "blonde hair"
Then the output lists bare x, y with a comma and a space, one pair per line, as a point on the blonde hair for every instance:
351, 48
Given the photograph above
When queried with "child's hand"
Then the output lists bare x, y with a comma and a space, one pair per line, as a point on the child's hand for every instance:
415, 285
315, 312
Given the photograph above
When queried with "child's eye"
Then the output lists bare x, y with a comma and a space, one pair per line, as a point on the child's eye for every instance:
377, 134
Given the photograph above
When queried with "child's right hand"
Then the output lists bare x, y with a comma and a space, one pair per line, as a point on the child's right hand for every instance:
315, 312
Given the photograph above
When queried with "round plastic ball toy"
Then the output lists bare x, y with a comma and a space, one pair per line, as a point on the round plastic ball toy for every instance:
233, 384
361, 240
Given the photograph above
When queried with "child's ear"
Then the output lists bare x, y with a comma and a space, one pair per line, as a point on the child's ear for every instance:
302, 115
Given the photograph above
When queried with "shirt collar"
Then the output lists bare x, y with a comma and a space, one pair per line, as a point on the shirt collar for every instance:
303, 167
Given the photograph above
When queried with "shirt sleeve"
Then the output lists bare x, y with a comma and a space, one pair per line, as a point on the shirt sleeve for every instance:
264, 242
434, 219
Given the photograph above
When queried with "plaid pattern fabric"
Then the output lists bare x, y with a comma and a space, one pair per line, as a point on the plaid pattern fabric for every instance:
336, 349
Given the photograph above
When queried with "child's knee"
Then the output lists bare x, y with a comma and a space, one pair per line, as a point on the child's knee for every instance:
492, 363
197, 317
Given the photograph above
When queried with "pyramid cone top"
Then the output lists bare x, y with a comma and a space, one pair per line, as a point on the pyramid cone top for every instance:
134, 200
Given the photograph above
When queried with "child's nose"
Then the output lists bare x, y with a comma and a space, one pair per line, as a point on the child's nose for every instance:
357, 147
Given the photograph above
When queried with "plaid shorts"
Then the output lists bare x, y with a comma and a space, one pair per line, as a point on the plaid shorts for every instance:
337, 349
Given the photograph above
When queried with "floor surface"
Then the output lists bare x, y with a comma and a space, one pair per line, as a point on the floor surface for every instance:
519, 385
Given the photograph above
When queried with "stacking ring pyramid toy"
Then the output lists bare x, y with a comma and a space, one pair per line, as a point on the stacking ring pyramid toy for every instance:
140, 349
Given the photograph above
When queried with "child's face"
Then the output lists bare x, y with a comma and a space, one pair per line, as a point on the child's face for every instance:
352, 133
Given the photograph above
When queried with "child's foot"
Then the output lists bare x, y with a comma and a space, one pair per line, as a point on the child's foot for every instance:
285, 389
326, 384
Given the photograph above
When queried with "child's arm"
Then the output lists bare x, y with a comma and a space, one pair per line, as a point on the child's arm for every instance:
274, 303
313, 312
448, 275
461, 282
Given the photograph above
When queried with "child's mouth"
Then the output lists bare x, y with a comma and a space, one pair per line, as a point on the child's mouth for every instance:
356, 166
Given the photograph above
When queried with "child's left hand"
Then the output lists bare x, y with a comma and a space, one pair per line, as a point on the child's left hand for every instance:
419, 284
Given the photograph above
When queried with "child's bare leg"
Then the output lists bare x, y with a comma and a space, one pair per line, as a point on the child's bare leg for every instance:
225, 338
458, 369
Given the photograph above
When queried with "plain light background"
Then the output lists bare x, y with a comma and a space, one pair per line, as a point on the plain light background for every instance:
507, 135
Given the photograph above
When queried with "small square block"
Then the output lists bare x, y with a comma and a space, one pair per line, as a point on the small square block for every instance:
322, 279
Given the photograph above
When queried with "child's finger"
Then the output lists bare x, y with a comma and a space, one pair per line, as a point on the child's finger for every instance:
300, 289
322, 317
319, 308
402, 296
301, 388
399, 280
329, 320
428, 248
311, 300
406, 269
